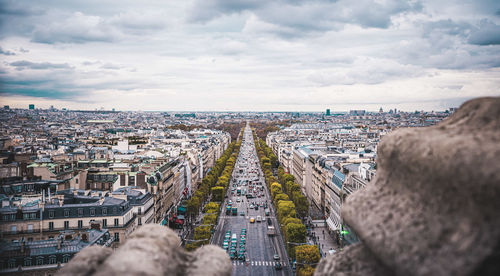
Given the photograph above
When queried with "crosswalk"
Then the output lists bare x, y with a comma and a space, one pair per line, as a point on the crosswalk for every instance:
258, 263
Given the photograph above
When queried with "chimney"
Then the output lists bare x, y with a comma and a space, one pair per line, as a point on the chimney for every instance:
101, 200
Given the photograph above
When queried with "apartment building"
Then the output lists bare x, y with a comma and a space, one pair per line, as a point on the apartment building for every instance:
67, 210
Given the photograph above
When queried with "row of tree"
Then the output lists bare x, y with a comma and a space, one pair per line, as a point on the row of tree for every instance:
291, 205
213, 186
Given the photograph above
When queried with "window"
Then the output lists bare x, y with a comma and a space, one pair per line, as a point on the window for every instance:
66, 224
51, 225
117, 237
51, 214
27, 261
65, 258
33, 216
80, 224
13, 229
30, 228
92, 211
114, 210
13, 217
12, 263
104, 211
39, 260
104, 222
117, 222
80, 212
139, 221
6, 217
26, 216
66, 213
52, 259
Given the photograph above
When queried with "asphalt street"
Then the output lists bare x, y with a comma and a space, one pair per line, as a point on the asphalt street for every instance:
263, 252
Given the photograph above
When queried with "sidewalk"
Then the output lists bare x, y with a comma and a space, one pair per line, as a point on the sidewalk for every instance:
318, 235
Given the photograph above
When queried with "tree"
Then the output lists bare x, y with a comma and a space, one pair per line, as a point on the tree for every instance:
286, 209
202, 234
305, 271
281, 196
193, 206
210, 219
296, 232
217, 193
306, 256
212, 207
288, 220
301, 204
275, 189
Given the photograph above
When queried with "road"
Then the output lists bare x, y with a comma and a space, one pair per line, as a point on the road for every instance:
260, 248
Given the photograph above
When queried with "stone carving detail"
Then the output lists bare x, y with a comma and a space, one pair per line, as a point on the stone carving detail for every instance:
151, 250
434, 207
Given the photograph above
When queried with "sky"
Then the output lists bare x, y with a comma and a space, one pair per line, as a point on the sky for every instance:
248, 55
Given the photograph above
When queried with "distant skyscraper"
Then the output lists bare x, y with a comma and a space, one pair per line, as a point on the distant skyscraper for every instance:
380, 110
328, 112
6, 107
31, 106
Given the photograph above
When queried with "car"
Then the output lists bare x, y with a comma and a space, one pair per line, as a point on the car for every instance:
242, 213
238, 199
278, 266
276, 257
230, 202
252, 220
232, 255
225, 245
256, 207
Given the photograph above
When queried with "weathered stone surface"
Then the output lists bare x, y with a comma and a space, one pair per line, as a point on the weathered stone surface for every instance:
151, 250
354, 260
433, 208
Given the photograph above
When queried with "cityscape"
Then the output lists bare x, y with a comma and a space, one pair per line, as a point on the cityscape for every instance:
249, 138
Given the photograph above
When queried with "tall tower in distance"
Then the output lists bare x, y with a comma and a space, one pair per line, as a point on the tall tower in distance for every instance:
328, 112
31, 107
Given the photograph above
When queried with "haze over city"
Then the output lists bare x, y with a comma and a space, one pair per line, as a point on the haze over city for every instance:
251, 55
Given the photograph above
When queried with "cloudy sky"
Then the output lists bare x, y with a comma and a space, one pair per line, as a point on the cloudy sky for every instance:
294, 55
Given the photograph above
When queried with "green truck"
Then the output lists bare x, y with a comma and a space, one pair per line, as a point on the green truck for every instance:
234, 210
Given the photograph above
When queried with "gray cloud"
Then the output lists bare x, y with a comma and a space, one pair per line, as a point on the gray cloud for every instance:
24, 64
6, 52
488, 33
249, 53
308, 16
